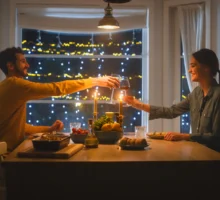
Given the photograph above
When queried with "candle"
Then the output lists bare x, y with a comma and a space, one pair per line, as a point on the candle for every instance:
109, 114
95, 103
120, 105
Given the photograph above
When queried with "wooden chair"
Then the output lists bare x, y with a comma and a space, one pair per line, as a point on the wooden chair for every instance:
3, 150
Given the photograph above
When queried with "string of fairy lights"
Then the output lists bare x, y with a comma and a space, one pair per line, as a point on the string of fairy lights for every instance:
65, 59
46, 113
78, 48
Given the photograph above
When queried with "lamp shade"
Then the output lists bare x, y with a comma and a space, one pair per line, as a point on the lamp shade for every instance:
108, 21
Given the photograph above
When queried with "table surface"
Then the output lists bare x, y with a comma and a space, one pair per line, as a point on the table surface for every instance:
158, 150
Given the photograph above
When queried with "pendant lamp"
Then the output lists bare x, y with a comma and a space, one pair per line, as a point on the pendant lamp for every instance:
108, 21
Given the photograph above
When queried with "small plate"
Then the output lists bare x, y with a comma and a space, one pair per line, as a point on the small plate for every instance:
133, 147
159, 137
156, 135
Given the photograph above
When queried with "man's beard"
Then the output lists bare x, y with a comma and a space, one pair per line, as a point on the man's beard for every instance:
21, 72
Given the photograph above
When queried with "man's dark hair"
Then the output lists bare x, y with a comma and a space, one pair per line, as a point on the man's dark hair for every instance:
209, 58
8, 55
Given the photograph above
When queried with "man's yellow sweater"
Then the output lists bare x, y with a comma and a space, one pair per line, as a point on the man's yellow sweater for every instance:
15, 92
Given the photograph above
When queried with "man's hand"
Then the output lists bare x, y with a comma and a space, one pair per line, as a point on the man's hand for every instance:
57, 126
106, 81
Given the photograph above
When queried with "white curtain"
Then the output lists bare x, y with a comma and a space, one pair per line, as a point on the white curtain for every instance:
191, 18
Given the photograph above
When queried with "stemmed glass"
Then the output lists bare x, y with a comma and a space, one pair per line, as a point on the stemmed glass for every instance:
124, 86
113, 90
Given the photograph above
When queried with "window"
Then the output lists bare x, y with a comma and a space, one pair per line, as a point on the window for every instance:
185, 118
62, 56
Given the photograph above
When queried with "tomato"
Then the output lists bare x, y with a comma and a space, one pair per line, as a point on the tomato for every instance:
79, 131
73, 130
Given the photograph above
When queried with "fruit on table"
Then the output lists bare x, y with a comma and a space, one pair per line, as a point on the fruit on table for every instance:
116, 127
101, 121
105, 123
79, 131
106, 127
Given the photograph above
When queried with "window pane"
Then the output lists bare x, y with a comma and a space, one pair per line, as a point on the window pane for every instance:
185, 118
54, 64
58, 69
46, 114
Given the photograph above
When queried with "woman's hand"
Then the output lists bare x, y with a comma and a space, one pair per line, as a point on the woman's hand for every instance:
106, 81
57, 126
173, 136
136, 103
131, 101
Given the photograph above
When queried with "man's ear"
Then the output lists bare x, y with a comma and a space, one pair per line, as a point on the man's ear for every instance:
10, 66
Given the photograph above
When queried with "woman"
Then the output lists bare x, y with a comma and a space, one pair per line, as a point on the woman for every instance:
203, 103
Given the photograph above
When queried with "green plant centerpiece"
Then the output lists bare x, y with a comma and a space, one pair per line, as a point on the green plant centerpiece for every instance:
107, 131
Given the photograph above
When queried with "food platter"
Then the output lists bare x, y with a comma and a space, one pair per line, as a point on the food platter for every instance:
50, 142
133, 147
157, 135
132, 143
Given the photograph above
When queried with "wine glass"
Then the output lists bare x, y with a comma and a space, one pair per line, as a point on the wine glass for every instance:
124, 86
113, 90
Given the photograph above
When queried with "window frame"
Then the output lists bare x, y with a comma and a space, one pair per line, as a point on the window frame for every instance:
144, 57
147, 58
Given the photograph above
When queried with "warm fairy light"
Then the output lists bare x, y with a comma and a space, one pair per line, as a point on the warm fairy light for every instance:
78, 104
73, 48
64, 49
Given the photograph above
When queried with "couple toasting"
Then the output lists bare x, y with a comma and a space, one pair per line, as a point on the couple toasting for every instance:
203, 103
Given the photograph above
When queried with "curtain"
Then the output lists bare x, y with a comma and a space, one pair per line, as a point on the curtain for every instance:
191, 18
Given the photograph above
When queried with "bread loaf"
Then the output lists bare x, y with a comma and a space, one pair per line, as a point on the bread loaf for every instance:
132, 141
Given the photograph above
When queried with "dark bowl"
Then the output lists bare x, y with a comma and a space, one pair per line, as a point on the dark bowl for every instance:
108, 137
51, 145
78, 138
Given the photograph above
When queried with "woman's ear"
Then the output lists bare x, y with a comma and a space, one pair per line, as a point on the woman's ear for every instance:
207, 69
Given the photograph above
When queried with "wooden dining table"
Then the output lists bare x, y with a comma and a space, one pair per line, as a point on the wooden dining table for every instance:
162, 169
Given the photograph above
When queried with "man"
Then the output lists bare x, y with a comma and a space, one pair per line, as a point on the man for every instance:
16, 91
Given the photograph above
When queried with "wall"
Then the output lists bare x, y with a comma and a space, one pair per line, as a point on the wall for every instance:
215, 26
4, 26
159, 81
156, 61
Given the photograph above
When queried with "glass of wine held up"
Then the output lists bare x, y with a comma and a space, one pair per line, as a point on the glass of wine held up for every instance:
114, 93
124, 86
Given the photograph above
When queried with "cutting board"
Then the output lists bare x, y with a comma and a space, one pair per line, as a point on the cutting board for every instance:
66, 152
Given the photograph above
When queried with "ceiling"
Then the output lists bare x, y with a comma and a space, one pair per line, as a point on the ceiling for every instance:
84, 15
83, 9
78, 12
